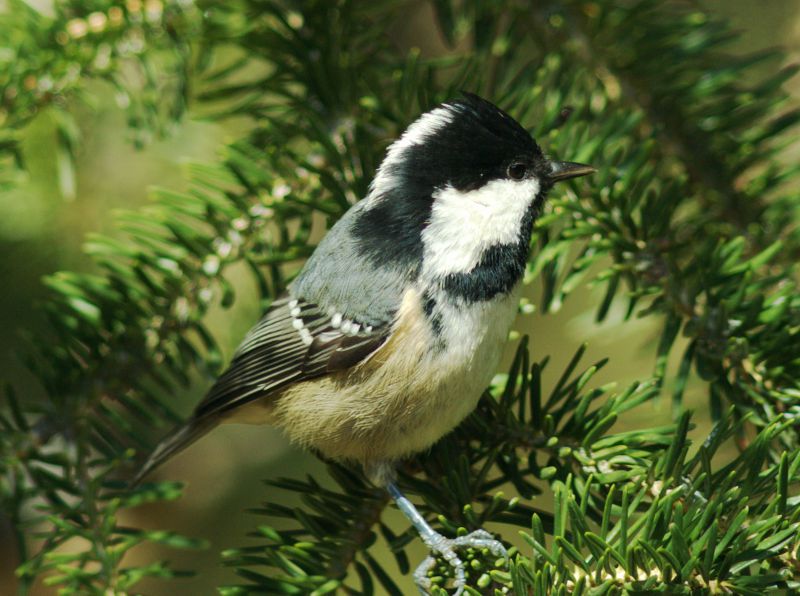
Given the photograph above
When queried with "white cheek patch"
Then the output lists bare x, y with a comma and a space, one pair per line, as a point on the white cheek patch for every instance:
464, 224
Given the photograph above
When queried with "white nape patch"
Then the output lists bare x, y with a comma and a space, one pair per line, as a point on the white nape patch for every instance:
464, 224
422, 128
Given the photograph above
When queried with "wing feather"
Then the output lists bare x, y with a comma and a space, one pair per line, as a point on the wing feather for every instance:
294, 341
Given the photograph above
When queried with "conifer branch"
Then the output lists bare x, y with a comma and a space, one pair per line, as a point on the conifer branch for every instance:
688, 219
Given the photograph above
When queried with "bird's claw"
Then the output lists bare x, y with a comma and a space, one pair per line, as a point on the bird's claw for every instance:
446, 548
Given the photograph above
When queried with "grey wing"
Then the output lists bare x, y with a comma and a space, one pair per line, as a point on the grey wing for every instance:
294, 341
298, 339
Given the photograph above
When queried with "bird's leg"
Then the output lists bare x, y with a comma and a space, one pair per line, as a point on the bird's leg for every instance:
438, 544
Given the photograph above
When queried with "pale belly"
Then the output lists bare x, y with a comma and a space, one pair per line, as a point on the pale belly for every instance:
407, 396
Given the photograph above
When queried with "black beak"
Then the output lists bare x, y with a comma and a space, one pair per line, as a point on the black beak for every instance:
564, 170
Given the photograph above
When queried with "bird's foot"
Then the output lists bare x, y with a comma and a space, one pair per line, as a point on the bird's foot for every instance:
446, 549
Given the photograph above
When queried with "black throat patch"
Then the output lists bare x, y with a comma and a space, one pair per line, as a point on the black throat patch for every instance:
500, 268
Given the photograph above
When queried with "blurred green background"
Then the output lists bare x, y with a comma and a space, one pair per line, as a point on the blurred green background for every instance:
42, 232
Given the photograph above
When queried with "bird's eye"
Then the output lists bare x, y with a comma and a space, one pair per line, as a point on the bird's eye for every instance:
517, 170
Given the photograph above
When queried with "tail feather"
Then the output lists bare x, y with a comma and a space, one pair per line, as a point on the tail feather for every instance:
175, 442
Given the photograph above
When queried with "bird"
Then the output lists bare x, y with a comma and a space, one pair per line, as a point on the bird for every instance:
388, 336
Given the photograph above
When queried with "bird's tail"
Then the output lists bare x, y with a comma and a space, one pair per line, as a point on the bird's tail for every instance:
178, 440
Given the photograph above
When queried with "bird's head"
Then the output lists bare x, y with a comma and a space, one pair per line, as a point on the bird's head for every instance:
466, 144
464, 178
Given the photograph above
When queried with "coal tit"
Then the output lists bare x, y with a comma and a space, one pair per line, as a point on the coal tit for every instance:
394, 327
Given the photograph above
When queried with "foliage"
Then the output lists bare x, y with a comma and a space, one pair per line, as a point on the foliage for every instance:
143, 48
690, 221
